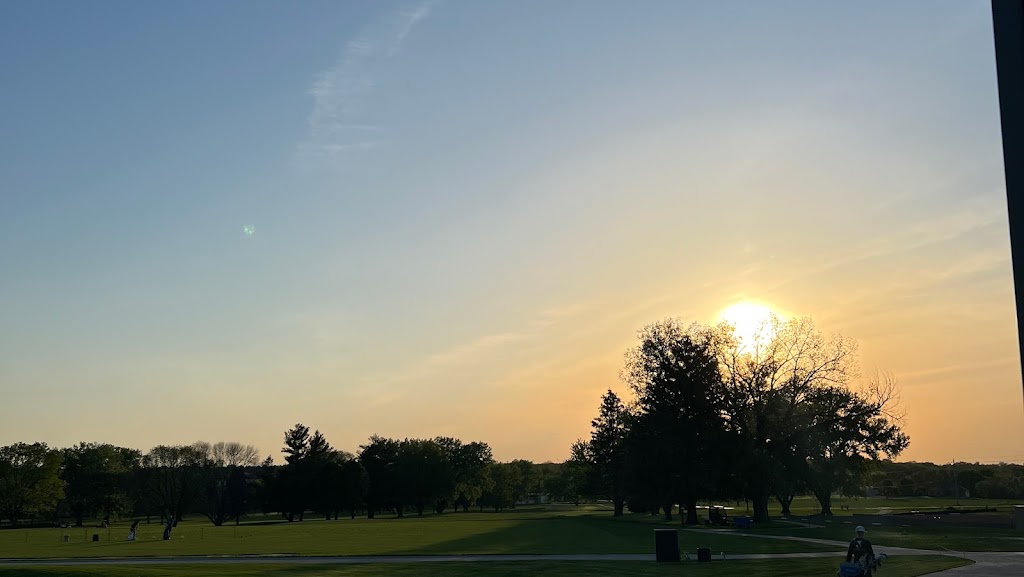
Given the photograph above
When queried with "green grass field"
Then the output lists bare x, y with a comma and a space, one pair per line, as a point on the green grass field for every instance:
897, 567
537, 532
804, 506
915, 537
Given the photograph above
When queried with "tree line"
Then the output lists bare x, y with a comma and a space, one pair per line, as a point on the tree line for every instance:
717, 419
226, 481
991, 481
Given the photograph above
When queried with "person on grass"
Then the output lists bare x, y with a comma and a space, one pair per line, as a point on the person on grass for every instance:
860, 551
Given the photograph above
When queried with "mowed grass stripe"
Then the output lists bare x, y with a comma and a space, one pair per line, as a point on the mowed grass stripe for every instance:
939, 538
461, 533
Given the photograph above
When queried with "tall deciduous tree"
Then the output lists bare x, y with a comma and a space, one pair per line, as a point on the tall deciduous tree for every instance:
470, 463
675, 376
353, 483
30, 481
845, 428
575, 478
499, 491
424, 474
379, 458
174, 477
98, 479
782, 392
225, 483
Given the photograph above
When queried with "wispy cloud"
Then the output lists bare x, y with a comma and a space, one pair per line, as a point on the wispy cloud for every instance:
919, 235
471, 350
337, 126
485, 351
409, 19
923, 376
456, 358
565, 312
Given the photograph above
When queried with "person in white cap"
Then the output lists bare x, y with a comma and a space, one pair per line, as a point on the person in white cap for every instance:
860, 551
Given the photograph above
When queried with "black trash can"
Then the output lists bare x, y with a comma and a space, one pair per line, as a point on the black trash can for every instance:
95, 538
704, 554
666, 545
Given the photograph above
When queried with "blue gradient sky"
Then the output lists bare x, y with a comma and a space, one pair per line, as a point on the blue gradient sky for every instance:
463, 210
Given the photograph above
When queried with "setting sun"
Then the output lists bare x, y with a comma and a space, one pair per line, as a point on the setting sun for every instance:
750, 321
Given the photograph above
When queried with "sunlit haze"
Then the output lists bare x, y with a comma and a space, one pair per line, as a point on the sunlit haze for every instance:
219, 219
751, 322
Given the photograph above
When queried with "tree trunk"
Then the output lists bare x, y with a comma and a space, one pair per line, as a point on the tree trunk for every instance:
785, 501
691, 512
825, 500
760, 507
619, 505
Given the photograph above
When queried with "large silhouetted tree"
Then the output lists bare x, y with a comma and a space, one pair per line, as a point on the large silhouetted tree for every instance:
788, 402
353, 483
424, 473
719, 418
679, 396
845, 428
379, 458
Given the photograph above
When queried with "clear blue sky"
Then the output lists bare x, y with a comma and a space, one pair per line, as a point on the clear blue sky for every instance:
462, 211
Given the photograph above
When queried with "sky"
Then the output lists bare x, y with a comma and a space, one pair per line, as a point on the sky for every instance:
219, 219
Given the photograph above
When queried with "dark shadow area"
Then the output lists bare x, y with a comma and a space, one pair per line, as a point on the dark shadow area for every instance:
594, 535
